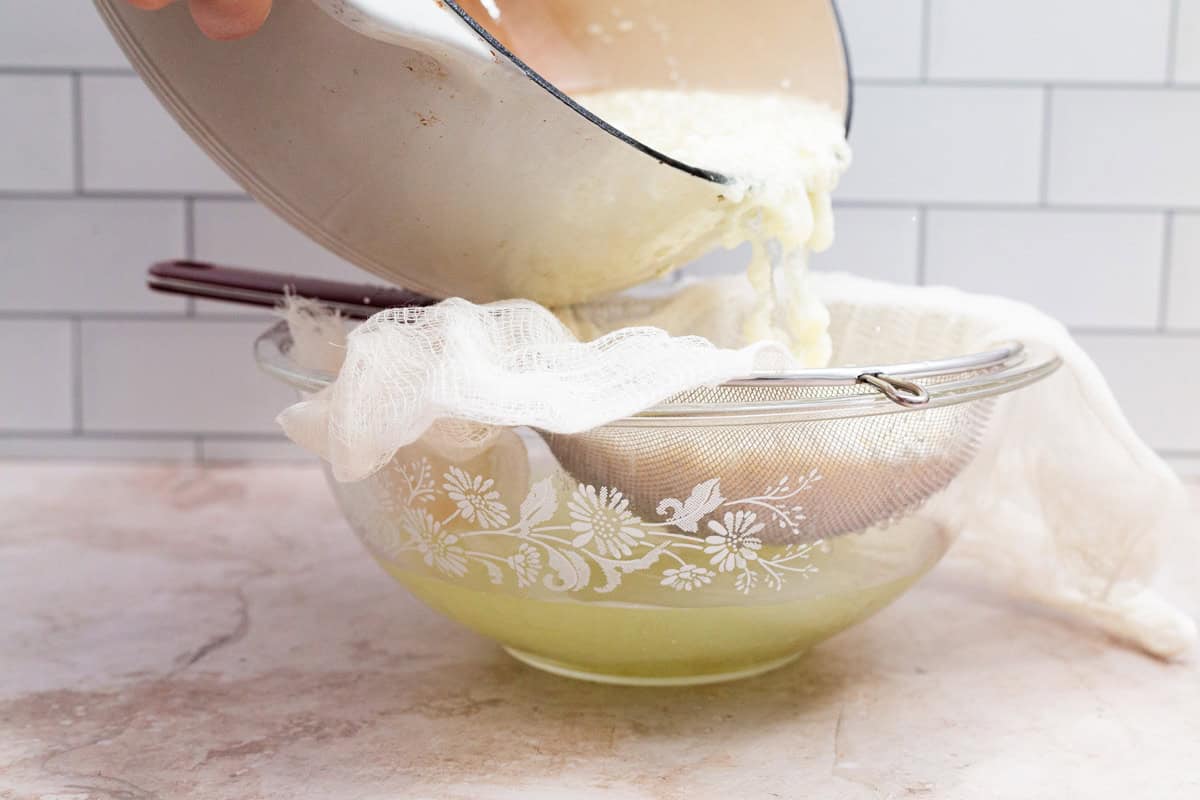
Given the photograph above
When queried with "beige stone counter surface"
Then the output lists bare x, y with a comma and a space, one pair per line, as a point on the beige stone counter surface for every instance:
178, 632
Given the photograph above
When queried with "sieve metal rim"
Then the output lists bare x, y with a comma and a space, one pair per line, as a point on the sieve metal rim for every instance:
989, 373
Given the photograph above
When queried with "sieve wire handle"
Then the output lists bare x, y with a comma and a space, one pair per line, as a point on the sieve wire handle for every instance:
898, 390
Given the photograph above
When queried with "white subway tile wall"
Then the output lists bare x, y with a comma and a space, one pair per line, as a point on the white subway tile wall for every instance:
1183, 295
940, 144
885, 37
1040, 41
1042, 149
56, 34
1186, 68
1073, 265
168, 376
242, 233
131, 144
880, 243
81, 255
37, 133
1125, 147
38, 359
101, 448
1158, 396
1184, 465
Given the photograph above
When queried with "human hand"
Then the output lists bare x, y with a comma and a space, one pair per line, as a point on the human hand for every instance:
220, 19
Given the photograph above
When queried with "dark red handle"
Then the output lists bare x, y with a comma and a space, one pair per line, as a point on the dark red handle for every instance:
254, 287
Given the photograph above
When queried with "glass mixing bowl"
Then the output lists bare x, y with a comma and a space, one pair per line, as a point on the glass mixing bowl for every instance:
688, 544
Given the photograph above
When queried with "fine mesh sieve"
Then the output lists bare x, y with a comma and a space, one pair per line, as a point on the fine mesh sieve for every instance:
814, 455
818, 453
825, 452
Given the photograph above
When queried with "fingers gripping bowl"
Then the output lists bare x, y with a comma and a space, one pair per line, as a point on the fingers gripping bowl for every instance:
715, 536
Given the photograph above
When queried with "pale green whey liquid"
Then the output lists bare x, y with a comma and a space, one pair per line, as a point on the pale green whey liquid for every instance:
636, 643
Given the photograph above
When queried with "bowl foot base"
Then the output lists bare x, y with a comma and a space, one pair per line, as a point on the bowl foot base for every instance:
583, 674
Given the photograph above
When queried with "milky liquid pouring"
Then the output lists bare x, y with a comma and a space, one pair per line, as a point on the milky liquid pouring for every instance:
785, 155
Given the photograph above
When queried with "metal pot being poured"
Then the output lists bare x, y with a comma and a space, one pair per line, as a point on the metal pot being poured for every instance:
443, 151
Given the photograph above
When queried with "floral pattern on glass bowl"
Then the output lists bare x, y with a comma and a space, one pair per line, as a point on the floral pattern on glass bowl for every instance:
572, 578
713, 537
599, 541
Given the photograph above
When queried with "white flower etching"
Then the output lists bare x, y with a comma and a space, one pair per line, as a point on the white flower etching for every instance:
603, 517
477, 501
702, 541
687, 577
734, 541
439, 548
526, 564
746, 581
415, 481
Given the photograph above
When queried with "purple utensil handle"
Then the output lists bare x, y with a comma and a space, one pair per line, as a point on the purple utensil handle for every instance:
258, 288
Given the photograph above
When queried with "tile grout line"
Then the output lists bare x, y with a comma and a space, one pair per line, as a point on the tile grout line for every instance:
136, 316
189, 245
16, 70
119, 194
189, 228
77, 376
922, 242
1172, 42
1028, 83
1164, 287
971, 205
1047, 132
77, 132
150, 436
1145, 332
926, 31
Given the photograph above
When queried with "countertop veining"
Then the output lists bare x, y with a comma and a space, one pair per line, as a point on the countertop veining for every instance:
182, 632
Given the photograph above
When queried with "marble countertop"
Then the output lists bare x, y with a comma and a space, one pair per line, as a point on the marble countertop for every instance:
175, 632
